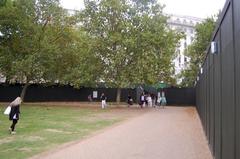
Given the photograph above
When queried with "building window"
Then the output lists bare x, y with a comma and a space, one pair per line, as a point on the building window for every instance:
185, 59
191, 30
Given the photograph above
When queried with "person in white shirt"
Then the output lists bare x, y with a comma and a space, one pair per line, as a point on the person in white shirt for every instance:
149, 100
142, 100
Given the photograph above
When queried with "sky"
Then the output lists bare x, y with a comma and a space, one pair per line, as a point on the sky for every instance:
194, 8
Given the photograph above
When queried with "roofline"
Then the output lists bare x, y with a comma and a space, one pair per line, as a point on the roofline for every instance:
185, 16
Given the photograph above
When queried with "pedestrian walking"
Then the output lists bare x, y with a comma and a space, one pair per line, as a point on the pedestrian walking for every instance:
163, 99
145, 104
14, 114
142, 100
129, 100
90, 98
159, 99
103, 99
153, 100
149, 100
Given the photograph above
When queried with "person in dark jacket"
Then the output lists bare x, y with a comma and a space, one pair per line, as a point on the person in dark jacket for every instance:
142, 100
103, 99
14, 113
129, 100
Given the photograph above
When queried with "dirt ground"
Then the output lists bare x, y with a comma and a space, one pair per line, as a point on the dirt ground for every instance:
149, 133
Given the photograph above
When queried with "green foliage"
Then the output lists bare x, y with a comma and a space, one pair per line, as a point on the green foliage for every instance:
119, 42
3, 3
85, 68
197, 50
38, 41
131, 39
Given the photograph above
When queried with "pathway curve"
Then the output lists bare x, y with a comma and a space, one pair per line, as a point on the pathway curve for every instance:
170, 133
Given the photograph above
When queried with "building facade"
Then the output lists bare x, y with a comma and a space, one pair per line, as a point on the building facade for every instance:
185, 24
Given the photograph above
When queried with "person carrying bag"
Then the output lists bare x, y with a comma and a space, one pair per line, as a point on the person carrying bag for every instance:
7, 110
14, 113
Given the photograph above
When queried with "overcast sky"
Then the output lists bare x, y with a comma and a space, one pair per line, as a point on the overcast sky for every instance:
195, 8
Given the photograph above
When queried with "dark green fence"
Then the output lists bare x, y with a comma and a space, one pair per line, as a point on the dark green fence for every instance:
218, 87
39, 93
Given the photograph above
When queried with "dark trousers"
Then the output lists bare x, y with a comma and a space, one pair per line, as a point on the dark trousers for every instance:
141, 103
14, 122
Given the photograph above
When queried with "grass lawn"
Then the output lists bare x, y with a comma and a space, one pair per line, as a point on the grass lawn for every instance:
41, 128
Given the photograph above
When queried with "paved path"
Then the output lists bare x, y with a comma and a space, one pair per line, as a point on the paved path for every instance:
170, 133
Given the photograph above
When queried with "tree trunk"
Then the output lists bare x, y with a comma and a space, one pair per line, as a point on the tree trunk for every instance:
24, 91
118, 95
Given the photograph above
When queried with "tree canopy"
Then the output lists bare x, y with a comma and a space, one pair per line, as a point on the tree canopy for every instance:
197, 50
37, 41
131, 39
119, 42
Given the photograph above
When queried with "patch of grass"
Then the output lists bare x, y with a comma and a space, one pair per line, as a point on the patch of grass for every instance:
41, 128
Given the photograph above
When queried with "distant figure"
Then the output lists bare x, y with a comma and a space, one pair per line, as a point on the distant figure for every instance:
90, 98
130, 100
163, 100
159, 101
153, 100
149, 100
103, 99
142, 100
14, 114
145, 100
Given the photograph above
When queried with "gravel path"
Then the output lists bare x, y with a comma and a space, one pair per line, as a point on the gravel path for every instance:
170, 133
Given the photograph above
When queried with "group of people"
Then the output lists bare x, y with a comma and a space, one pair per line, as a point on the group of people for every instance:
151, 100
145, 100
148, 99
161, 101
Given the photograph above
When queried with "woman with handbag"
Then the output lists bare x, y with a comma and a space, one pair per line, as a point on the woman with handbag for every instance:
14, 113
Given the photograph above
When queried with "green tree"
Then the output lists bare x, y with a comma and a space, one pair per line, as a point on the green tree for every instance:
85, 67
2, 3
132, 41
197, 50
35, 39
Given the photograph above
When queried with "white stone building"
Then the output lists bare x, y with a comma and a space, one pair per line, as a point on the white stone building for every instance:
187, 25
